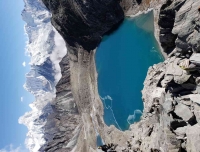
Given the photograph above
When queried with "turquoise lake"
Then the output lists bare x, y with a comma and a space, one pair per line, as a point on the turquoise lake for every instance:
122, 62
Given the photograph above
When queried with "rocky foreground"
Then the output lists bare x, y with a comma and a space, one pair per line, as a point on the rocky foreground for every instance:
171, 94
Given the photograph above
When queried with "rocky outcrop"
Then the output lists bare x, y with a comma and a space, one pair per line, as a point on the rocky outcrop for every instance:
84, 22
166, 23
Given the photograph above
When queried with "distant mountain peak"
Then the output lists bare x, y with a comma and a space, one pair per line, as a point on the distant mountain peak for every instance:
46, 48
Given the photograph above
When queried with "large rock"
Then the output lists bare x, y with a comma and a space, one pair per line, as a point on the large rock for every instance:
166, 22
186, 26
183, 111
167, 105
195, 58
166, 80
193, 138
195, 98
180, 75
197, 112
181, 132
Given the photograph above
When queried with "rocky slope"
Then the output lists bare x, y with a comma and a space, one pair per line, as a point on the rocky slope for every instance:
170, 120
171, 90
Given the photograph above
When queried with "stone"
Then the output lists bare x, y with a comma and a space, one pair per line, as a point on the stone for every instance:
181, 131
193, 138
174, 69
195, 58
195, 98
166, 22
197, 80
180, 75
168, 106
186, 102
197, 112
185, 99
184, 64
183, 111
198, 89
191, 66
183, 78
166, 80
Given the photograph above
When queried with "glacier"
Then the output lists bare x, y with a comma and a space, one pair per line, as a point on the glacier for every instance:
46, 48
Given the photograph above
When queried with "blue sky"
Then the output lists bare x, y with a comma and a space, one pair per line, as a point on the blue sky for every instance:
12, 77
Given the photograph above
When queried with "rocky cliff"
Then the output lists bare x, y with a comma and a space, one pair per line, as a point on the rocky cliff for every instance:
171, 96
170, 120
84, 22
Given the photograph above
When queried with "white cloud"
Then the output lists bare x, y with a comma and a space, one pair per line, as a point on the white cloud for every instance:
22, 99
11, 148
24, 63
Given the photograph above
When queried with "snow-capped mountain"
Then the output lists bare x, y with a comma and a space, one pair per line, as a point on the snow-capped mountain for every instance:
40, 78
46, 48
35, 120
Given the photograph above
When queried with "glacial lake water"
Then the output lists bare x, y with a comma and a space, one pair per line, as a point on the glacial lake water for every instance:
122, 62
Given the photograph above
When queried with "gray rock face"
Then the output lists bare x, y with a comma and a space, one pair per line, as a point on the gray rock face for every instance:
187, 27
181, 132
166, 22
195, 58
174, 83
197, 112
195, 98
84, 22
193, 138
183, 111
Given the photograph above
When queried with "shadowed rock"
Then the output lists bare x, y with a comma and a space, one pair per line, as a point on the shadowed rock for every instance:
84, 22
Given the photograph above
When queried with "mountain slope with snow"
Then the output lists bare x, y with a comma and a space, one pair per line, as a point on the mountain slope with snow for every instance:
46, 48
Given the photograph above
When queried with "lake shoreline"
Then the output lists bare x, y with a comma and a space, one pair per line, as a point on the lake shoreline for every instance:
108, 134
156, 12
120, 51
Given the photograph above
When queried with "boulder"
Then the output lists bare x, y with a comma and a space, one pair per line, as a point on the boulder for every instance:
183, 111
181, 79
195, 98
166, 80
167, 105
180, 75
181, 131
186, 100
184, 64
195, 58
198, 89
193, 138
174, 69
197, 80
197, 112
